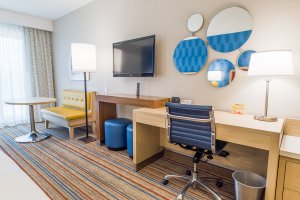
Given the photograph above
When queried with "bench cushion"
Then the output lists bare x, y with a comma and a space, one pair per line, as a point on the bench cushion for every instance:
65, 113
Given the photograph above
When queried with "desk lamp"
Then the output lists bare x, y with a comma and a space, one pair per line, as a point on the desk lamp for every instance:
84, 60
268, 64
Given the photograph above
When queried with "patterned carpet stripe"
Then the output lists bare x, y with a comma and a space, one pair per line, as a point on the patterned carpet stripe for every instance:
116, 170
69, 169
32, 172
61, 155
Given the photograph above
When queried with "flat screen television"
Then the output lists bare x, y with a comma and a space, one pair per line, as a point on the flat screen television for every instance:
134, 58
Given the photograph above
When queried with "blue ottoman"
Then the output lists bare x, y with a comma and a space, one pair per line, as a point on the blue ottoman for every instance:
130, 141
115, 133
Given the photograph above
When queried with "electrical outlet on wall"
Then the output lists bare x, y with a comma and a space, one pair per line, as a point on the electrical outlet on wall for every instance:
186, 101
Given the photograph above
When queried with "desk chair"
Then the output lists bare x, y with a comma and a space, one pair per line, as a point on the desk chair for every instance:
193, 128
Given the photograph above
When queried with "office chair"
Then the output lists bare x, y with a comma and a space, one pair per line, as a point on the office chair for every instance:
192, 127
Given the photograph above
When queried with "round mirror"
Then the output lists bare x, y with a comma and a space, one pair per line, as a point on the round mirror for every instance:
229, 29
190, 55
220, 73
244, 60
195, 22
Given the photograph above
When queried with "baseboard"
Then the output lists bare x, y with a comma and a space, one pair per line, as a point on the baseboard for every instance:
148, 161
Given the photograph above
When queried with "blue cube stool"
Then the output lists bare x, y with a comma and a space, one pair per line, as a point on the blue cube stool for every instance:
115, 133
130, 141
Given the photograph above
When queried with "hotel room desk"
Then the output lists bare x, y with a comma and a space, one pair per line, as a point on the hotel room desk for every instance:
233, 128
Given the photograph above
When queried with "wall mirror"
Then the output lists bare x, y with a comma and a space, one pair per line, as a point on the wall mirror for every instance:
229, 29
190, 55
194, 23
221, 73
244, 60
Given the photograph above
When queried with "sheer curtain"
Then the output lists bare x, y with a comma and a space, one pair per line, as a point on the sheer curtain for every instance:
14, 75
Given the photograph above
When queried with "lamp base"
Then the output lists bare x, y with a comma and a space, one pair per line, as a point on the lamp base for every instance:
265, 118
87, 140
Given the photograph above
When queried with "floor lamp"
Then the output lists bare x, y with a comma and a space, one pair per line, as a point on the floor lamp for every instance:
269, 64
84, 60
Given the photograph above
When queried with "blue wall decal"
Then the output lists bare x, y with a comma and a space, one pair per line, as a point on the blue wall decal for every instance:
244, 60
228, 42
190, 55
221, 73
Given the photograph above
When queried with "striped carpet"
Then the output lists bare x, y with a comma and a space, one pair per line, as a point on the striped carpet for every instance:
67, 169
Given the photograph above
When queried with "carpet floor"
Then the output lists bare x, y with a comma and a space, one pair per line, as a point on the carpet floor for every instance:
69, 169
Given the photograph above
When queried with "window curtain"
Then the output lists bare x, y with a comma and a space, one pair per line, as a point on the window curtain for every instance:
26, 70
14, 75
38, 46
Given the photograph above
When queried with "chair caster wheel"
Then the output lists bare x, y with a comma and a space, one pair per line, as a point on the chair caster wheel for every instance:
164, 182
219, 183
188, 172
179, 197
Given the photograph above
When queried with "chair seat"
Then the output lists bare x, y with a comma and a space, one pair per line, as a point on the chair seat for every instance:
65, 113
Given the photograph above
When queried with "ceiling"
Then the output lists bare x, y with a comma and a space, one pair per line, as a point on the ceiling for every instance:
47, 9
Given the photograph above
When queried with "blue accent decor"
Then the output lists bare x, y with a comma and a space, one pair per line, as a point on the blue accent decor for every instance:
228, 42
226, 70
244, 60
190, 55
130, 140
115, 133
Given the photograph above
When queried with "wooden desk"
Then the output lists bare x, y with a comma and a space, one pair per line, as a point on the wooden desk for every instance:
106, 107
239, 129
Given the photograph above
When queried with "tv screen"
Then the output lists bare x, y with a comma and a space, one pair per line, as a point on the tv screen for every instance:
134, 58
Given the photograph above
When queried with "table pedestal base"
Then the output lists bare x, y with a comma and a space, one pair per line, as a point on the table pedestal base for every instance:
32, 137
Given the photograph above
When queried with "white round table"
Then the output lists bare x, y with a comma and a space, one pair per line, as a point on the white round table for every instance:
33, 136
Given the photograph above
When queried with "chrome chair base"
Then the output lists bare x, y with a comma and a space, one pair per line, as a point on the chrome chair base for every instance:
194, 181
32, 137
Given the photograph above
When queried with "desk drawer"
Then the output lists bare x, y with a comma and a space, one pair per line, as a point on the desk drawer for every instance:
292, 176
290, 195
152, 120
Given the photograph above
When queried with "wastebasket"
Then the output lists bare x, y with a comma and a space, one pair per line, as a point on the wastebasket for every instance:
248, 185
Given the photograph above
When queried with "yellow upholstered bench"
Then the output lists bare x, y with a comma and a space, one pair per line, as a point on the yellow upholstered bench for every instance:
72, 114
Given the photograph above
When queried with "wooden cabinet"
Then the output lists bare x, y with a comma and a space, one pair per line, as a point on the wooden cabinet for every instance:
288, 183
290, 195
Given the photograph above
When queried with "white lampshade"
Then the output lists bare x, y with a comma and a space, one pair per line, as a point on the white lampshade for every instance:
271, 63
83, 57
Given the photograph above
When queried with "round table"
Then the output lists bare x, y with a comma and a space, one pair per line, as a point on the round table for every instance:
33, 136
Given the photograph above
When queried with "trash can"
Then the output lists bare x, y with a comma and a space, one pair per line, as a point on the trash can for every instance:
248, 185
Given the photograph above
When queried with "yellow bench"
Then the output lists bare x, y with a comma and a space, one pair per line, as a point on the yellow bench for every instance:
72, 114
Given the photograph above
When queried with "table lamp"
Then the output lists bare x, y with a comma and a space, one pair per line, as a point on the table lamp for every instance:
268, 64
84, 60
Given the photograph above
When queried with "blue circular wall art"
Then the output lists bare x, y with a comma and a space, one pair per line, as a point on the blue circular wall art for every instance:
221, 73
229, 29
244, 60
190, 55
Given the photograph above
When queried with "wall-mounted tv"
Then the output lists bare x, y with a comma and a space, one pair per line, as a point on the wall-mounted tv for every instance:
134, 58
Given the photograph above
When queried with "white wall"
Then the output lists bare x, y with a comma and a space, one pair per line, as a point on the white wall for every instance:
276, 26
11, 17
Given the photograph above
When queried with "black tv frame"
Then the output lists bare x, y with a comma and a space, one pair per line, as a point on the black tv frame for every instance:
136, 75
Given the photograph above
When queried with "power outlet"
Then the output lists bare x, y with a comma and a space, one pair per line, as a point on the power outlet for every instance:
186, 101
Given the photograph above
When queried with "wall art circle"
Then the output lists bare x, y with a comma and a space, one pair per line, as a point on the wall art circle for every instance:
244, 60
229, 29
221, 73
194, 23
190, 55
